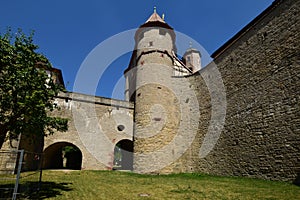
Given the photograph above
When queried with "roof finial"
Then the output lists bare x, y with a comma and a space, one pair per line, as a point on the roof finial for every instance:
163, 16
154, 9
191, 45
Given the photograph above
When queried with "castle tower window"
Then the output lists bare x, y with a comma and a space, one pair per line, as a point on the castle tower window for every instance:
150, 44
162, 31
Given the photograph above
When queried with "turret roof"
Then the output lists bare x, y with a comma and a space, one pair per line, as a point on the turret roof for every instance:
155, 18
191, 50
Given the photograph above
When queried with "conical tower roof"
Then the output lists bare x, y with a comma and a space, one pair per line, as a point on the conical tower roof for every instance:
156, 21
155, 18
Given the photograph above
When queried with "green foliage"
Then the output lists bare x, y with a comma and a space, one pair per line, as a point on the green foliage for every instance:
70, 149
26, 92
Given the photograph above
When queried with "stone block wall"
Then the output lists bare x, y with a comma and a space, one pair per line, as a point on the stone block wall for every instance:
260, 70
93, 127
257, 71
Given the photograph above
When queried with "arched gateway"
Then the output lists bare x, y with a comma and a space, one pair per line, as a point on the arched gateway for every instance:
123, 155
62, 155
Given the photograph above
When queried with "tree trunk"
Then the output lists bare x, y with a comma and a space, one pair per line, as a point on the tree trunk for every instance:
3, 132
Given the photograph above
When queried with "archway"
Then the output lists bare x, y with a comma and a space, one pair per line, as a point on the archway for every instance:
123, 155
62, 155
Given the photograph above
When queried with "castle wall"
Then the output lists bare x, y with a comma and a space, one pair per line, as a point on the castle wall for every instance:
93, 127
166, 121
260, 71
179, 120
8, 158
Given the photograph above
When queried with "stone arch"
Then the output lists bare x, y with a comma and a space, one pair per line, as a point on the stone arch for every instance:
62, 155
123, 155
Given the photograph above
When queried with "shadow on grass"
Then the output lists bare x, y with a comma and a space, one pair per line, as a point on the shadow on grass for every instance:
31, 190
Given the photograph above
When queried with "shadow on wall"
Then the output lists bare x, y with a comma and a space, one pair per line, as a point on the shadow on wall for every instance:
297, 180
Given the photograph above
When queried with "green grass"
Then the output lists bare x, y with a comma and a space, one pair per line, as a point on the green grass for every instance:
88, 185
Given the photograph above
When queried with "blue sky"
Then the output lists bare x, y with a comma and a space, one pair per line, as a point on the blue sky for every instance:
67, 31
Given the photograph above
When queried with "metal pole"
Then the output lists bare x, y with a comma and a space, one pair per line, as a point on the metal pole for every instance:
41, 171
18, 174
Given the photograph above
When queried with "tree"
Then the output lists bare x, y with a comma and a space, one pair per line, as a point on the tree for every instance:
27, 93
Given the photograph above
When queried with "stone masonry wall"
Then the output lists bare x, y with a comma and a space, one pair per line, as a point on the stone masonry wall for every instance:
93, 127
260, 71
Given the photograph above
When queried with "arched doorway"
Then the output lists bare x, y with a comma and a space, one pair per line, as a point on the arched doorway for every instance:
62, 155
123, 155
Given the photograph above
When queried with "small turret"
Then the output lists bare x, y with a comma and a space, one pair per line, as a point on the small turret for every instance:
192, 59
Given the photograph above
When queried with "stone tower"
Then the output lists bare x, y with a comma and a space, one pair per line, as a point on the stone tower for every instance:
149, 83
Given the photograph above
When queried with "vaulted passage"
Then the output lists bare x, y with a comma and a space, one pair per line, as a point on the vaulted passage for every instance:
123, 155
62, 155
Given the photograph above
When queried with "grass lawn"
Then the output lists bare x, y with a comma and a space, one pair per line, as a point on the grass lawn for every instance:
88, 185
